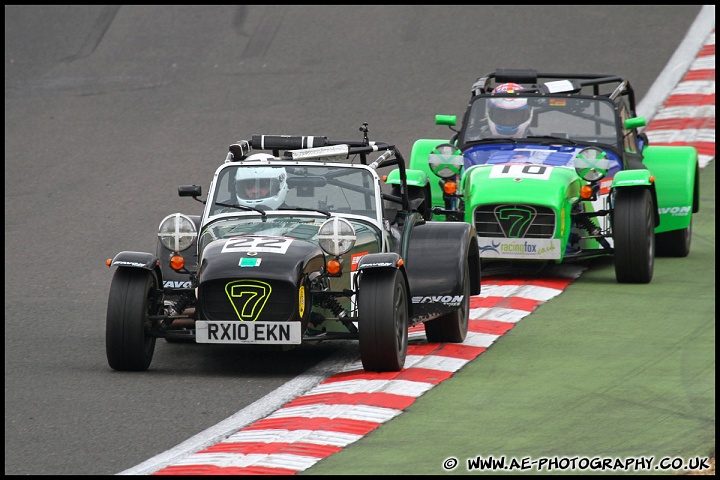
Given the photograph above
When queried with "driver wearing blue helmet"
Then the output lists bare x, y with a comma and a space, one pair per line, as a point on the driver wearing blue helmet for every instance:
509, 116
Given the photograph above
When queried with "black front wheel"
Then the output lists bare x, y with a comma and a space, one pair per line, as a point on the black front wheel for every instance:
634, 235
128, 343
383, 326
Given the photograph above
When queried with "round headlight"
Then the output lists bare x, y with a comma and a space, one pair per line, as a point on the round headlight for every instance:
446, 160
177, 232
592, 164
336, 236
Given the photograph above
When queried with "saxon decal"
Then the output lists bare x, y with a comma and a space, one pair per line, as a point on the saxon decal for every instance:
450, 300
676, 211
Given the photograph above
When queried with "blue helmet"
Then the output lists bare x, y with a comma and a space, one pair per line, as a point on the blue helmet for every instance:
509, 116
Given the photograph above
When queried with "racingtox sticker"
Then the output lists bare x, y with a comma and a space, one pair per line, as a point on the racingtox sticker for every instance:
521, 248
518, 170
260, 333
257, 244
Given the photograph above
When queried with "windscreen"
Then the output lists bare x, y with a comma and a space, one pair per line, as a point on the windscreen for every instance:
580, 119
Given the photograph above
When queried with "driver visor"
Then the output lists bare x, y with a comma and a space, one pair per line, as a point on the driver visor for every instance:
509, 117
253, 188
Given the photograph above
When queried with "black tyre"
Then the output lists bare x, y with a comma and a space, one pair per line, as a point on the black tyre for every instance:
128, 345
452, 327
383, 326
634, 235
675, 243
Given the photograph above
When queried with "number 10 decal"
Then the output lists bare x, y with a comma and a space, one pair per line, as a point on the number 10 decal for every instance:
519, 170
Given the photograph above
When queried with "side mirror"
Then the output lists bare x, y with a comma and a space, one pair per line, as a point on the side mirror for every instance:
635, 122
190, 190
449, 120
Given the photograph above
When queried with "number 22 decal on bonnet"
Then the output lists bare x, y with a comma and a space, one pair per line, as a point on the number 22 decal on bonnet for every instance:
258, 244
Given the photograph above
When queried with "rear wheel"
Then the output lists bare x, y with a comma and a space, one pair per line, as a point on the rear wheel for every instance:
132, 299
675, 243
452, 327
634, 235
383, 311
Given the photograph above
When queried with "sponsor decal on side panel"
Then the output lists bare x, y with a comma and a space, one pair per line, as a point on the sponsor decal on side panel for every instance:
129, 264
605, 185
676, 211
354, 259
449, 300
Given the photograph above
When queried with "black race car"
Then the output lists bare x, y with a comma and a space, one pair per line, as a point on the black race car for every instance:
297, 243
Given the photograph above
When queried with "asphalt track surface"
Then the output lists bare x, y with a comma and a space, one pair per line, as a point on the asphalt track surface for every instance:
108, 109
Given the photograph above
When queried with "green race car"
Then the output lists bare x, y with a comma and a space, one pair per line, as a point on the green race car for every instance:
553, 167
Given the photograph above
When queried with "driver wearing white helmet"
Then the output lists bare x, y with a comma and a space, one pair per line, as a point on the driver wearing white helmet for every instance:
509, 116
261, 186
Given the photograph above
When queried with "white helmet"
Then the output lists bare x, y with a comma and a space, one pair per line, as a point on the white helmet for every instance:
262, 186
508, 116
